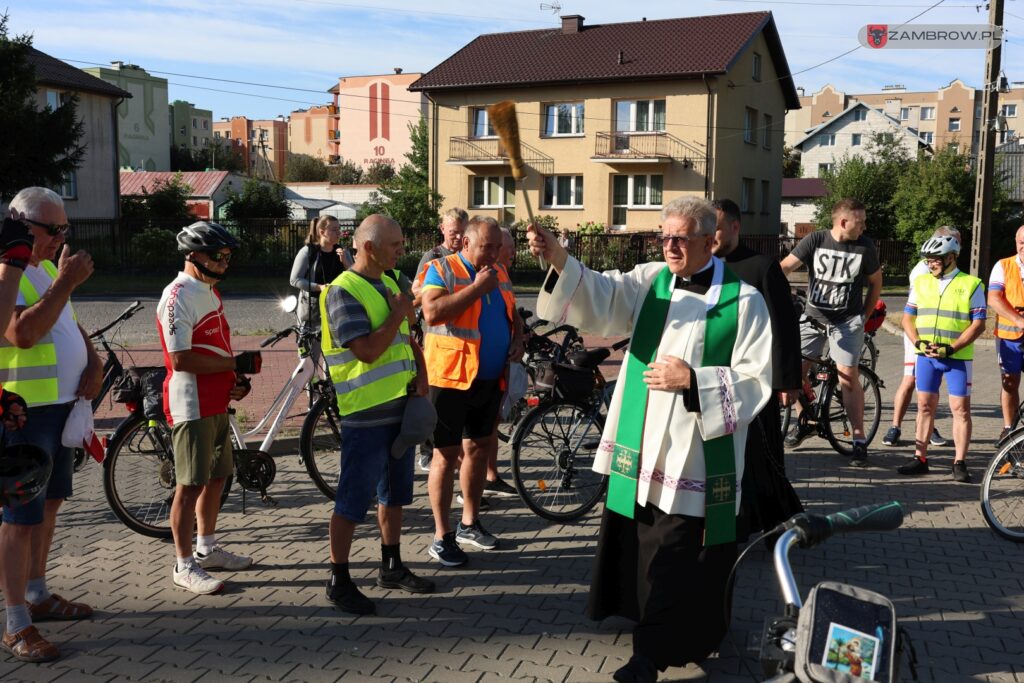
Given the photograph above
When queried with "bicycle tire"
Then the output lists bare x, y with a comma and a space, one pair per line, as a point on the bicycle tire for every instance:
142, 499
1002, 489
320, 445
547, 448
837, 427
869, 354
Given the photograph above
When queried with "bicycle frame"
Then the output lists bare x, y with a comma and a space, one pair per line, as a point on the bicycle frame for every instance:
300, 378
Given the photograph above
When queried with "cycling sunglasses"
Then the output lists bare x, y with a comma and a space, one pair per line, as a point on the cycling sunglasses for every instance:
52, 229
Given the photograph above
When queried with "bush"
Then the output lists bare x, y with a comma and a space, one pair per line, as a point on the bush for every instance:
155, 249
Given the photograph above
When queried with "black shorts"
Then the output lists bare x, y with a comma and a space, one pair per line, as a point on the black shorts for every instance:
469, 414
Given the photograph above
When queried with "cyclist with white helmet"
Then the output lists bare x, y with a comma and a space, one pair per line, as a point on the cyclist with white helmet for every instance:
945, 313
1006, 297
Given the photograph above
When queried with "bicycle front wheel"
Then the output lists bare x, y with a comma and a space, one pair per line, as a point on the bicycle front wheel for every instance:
552, 458
869, 353
837, 425
320, 445
1002, 489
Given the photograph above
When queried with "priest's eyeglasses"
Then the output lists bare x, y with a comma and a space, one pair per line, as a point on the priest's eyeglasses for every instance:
669, 241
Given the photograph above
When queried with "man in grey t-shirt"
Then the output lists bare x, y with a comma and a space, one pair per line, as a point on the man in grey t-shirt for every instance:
453, 227
840, 262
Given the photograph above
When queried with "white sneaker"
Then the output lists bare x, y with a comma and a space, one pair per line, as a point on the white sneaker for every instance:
218, 558
194, 578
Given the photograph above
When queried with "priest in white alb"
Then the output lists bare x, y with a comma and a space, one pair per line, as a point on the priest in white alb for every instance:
697, 372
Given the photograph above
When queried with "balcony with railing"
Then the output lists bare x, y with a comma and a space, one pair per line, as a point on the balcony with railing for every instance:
469, 151
619, 147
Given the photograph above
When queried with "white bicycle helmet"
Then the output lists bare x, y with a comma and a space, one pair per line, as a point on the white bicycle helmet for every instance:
940, 246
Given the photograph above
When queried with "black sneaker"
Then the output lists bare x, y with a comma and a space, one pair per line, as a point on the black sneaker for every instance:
1003, 434
499, 487
892, 437
936, 439
797, 433
915, 466
638, 669
346, 597
960, 472
860, 454
447, 551
404, 578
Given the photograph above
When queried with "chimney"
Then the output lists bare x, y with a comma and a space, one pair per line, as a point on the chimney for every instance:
398, 70
117, 64
572, 23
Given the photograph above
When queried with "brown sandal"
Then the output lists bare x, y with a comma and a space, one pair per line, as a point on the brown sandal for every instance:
56, 608
28, 646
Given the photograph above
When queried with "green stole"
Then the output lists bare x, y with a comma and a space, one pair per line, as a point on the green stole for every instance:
719, 459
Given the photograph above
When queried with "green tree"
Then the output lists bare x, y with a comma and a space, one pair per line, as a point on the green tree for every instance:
258, 199
220, 155
790, 162
379, 173
303, 168
166, 205
407, 197
345, 173
39, 147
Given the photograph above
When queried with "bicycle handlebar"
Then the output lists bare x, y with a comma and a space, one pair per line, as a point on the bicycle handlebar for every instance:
276, 337
813, 529
127, 313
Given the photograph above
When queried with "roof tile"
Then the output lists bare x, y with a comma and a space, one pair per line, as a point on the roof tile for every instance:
203, 183
52, 71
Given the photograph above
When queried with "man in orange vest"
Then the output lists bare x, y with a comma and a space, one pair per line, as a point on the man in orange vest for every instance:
1006, 298
469, 309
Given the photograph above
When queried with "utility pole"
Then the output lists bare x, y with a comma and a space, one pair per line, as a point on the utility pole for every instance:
981, 231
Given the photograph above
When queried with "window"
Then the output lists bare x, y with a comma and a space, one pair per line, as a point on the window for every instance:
206, 124
977, 112
195, 122
927, 113
1009, 110
954, 125
860, 115
904, 113
639, 115
563, 191
746, 195
765, 185
494, 191
216, 134
69, 188
855, 140
1007, 136
885, 137
563, 119
824, 169
634, 192
55, 98
481, 126
827, 140
766, 139
195, 141
928, 137
953, 146
750, 126
755, 69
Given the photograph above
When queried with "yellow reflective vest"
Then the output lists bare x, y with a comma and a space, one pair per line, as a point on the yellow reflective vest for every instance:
942, 317
31, 372
360, 385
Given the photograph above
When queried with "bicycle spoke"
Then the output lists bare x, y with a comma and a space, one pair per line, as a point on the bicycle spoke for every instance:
1003, 492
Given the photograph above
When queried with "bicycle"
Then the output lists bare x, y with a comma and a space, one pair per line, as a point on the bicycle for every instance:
1002, 488
554, 444
806, 642
868, 351
139, 480
824, 410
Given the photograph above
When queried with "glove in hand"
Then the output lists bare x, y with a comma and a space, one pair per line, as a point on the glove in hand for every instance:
248, 362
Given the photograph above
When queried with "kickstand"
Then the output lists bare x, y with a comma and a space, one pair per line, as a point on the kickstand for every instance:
243, 499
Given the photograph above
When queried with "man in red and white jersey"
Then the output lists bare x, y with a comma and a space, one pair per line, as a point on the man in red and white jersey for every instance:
203, 375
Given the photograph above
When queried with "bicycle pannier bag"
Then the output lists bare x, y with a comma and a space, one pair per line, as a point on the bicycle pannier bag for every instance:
575, 384
128, 387
846, 634
153, 393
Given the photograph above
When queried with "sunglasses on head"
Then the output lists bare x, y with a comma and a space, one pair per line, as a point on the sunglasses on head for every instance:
52, 229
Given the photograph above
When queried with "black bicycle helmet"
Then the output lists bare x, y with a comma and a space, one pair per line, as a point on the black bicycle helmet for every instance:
205, 236
24, 473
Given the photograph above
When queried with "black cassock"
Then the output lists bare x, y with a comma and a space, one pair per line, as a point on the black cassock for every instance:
653, 569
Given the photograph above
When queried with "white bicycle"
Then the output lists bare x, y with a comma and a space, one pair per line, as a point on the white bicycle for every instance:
138, 474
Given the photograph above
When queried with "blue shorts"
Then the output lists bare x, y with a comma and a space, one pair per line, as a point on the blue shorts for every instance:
43, 428
929, 373
1010, 355
366, 464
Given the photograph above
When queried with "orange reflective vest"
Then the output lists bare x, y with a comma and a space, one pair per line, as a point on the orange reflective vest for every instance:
1015, 295
452, 349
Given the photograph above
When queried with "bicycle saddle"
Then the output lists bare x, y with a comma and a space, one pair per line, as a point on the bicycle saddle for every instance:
589, 359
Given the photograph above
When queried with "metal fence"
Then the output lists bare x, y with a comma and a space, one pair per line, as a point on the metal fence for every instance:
269, 246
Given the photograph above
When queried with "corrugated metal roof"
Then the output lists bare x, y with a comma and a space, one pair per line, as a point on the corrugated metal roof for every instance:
667, 48
203, 183
52, 71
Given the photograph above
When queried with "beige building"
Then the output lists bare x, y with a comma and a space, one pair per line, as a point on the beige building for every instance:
191, 127
374, 113
144, 129
91, 191
612, 124
948, 116
263, 143
314, 131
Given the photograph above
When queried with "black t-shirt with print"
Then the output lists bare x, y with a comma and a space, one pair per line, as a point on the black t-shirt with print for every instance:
837, 273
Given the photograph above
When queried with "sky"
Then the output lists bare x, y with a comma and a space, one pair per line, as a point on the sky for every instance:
287, 53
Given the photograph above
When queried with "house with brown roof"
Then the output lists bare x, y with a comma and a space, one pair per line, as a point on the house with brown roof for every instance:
616, 119
208, 190
91, 191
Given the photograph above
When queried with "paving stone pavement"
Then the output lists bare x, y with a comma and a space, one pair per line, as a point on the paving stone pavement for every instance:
516, 614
